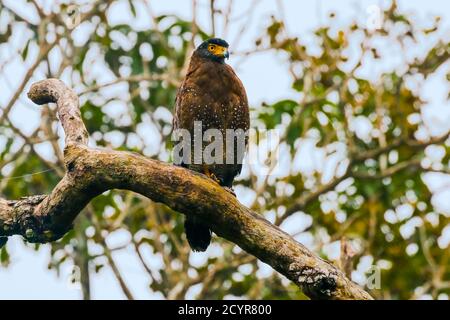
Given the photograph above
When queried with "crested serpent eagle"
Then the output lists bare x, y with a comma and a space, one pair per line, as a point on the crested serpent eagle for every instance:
211, 97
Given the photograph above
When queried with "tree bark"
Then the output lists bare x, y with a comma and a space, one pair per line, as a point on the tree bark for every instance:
90, 172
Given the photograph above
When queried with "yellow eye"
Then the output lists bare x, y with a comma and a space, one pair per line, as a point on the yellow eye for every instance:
211, 47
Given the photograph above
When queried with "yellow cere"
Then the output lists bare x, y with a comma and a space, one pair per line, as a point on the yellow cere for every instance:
217, 50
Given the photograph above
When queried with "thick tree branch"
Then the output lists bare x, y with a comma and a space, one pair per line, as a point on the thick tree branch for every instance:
54, 90
90, 172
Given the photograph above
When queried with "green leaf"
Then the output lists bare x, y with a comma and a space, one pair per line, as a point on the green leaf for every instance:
4, 257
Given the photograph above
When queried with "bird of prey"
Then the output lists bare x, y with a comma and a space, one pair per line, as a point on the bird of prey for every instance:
212, 94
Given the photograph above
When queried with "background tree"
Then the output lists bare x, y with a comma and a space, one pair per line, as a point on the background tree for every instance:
367, 197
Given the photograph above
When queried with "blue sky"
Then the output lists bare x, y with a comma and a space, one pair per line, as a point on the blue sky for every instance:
264, 77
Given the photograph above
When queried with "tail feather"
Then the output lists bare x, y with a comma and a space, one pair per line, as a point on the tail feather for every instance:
198, 233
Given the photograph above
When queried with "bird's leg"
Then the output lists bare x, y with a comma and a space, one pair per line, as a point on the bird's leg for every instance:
209, 174
212, 176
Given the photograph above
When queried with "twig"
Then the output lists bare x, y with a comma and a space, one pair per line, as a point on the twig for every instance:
117, 273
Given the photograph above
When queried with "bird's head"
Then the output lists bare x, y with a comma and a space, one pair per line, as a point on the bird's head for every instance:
214, 49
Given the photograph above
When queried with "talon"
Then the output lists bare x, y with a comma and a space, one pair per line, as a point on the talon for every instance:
230, 190
210, 175
213, 176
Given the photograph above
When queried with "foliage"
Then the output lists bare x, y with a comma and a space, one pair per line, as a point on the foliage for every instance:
377, 200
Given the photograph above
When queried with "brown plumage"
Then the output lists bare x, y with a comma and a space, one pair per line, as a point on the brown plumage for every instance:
213, 94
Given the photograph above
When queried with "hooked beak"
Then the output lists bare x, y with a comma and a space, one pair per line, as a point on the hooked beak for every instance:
222, 52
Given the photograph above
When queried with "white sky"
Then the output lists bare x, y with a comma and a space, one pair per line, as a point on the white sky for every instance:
264, 77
